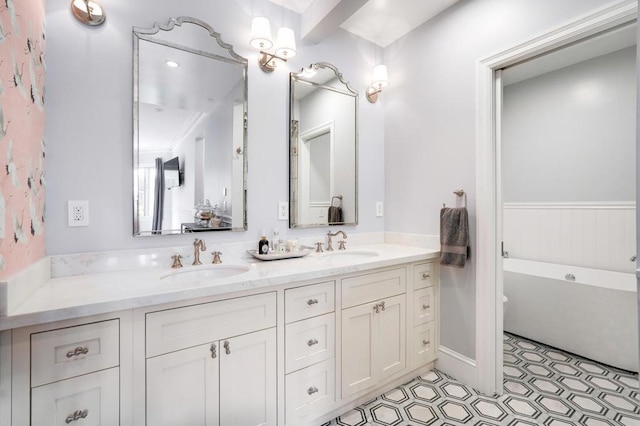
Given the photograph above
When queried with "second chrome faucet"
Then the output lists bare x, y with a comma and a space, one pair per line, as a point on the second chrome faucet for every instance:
341, 243
198, 246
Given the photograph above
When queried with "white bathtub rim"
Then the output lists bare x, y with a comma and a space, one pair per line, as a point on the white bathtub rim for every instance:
612, 280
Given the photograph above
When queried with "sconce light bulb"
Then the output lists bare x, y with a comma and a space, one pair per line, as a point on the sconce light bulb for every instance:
260, 38
172, 64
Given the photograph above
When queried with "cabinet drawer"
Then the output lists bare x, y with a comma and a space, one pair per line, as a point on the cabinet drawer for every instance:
423, 306
309, 341
92, 399
180, 328
309, 391
309, 301
423, 275
73, 351
370, 287
423, 344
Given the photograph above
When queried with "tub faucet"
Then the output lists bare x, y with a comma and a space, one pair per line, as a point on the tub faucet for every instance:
198, 246
329, 235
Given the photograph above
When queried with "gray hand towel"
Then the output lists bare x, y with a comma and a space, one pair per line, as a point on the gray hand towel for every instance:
335, 215
454, 236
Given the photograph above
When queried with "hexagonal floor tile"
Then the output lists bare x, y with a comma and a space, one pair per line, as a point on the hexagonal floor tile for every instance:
553, 421
588, 404
508, 347
532, 356
455, 411
432, 376
525, 345
545, 386
620, 403
421, 414
575, 385
521, 407
398, 396
424, 392
565, 369
516, 387
627, 420
557, 356
555, 405
489, 408
355, 417
588, 420
604, 383
514, 372
386, 414
591, 368
510, 358
456, 391
626, 380
538, 370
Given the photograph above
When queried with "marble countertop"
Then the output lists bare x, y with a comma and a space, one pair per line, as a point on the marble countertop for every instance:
75, 296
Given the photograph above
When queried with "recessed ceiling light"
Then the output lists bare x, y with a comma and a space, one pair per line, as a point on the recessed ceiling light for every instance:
172, 64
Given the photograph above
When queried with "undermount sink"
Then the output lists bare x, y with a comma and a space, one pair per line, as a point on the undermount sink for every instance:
205, 273
349, 254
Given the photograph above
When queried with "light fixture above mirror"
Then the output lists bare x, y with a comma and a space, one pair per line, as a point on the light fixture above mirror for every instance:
379, 80
260, 40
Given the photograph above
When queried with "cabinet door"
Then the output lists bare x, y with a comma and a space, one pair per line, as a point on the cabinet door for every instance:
358, 340
92, 399
390, 334
248, 386
182, 387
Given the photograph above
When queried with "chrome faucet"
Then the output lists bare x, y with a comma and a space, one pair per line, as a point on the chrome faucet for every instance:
216, 257
198, 246
329, 235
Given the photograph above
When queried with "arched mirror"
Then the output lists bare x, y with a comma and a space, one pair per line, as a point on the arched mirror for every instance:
190, 121
323, 163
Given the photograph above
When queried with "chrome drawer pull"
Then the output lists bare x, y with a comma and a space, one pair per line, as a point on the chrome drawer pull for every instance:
312, 342
382, 303
213, 350
378, 306
312, 302
77, 352
570, 277
312, 390
77, 415
227, 349
425, 275
425, 342
426, 306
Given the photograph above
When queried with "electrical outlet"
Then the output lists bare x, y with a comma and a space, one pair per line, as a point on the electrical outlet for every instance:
379, 209
283, 210
78, 213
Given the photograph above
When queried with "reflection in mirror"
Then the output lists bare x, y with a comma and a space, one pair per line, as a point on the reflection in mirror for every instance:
190, 109
323, 148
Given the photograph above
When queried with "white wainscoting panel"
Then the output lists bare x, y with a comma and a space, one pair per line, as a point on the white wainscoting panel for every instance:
599, 236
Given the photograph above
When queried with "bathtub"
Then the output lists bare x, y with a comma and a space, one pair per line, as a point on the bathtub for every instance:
589, 312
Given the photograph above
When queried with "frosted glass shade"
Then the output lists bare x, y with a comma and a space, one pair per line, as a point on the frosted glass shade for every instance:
286, 43
261, 34
380, 77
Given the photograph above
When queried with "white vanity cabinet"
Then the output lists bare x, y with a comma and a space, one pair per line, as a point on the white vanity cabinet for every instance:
373, 329
212, 363
424, 331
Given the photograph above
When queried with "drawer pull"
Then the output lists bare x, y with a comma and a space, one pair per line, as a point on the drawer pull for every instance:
227, 349
77, 352
76, 415
312, 302
312, 390
425, 275
426, 306
312, 342
425, 342
213, 350
378, 306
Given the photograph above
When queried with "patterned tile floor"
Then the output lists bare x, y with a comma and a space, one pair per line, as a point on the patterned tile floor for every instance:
542, 386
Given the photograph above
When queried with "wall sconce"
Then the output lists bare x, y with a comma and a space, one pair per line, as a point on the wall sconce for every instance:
89, 12
285, 47
380, 79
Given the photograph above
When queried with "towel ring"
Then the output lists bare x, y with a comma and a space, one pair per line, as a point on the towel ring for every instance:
459, 193
338, 197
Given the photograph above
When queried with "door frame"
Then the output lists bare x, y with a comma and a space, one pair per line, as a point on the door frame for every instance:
489, 286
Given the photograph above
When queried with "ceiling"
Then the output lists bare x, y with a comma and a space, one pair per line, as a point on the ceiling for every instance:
379, 21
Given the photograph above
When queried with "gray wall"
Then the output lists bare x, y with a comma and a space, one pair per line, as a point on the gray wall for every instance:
89, 119
569, 135
430, 125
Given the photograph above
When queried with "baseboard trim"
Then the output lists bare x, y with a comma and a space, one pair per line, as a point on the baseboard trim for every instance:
458, 366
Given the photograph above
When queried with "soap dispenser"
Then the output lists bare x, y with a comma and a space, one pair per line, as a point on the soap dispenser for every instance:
263, 244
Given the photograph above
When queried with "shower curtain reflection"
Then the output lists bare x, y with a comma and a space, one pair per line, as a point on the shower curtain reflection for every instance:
158, 205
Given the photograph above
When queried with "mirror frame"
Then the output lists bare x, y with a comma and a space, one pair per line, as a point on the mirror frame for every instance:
143, 33
294, 138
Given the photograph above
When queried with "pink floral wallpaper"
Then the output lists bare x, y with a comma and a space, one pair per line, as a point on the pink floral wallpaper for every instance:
22, 156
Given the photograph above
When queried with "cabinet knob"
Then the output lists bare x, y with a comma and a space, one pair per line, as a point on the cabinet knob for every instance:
425, 342
213, 350
382, 305
425, 275
76, 415
426, 306
227, 349
312, 342
312, 302
312, 390
78, 351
